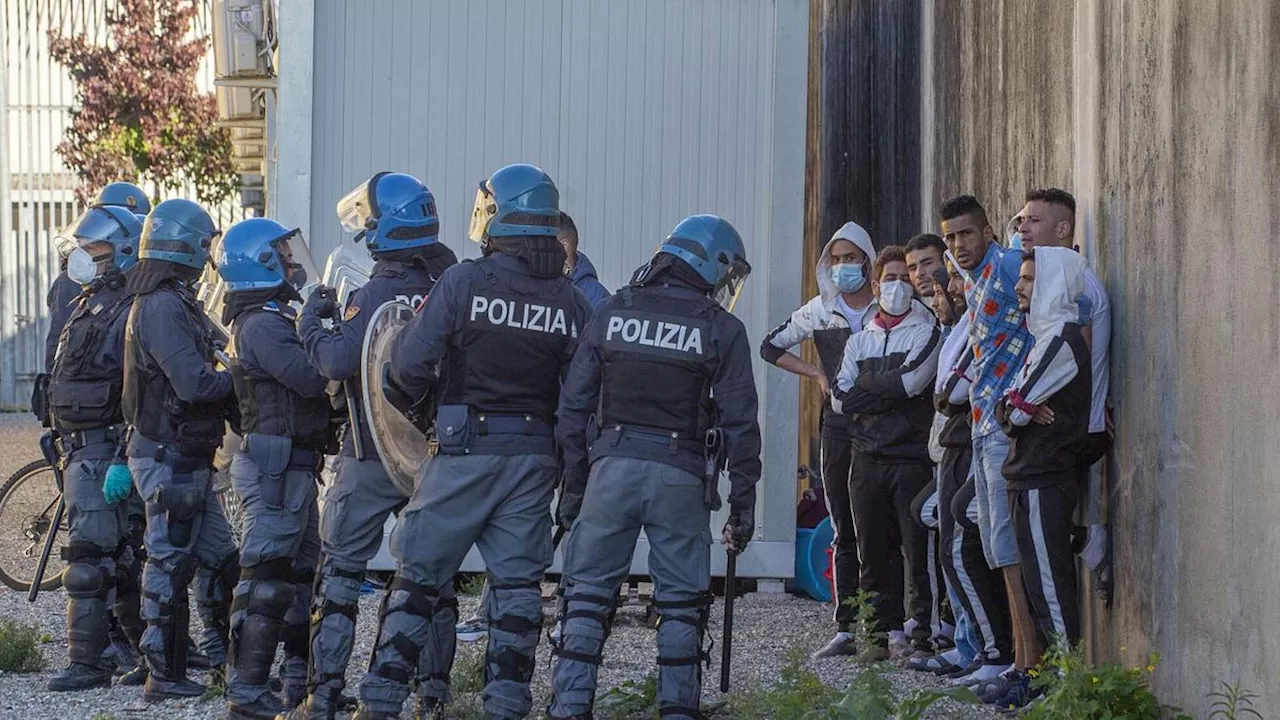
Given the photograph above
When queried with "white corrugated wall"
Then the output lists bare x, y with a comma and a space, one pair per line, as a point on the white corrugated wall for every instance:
642, 111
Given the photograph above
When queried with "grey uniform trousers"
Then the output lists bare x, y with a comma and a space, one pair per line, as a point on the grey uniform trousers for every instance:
173, 549
97, 548
355, 509
282, 529
502, 505
624, 495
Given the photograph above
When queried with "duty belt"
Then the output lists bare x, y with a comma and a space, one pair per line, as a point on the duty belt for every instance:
491, 424
69, 442
677, 441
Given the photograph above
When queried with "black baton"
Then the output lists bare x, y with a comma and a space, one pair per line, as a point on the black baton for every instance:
726, 643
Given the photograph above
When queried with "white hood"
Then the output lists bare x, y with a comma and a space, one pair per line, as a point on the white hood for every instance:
854, 233
1059, 284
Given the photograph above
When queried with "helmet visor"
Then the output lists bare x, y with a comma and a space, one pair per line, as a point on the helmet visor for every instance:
354, 211
93, 225
482, 213
299, 268
729, 289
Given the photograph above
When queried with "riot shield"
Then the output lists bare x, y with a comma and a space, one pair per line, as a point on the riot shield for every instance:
346, 269
402, 446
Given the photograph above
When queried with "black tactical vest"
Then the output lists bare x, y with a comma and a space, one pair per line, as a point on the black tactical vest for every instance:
510, 350
84, 391
151, 405
656, 353
269, 408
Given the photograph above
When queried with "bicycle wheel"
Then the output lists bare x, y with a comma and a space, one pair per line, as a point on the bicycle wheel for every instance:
28, 501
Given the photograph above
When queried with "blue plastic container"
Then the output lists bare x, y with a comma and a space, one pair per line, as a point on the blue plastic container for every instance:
813, 563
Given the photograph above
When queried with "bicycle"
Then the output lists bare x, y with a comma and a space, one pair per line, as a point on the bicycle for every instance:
28, 500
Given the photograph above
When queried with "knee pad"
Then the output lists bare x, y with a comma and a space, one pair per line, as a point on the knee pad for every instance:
271, 588
336, 592
83, 580
181, 503
692, 611
515, 608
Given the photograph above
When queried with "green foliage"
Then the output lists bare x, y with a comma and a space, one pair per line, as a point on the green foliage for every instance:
471, 584
798, 693
138, 114
864, 620
19, 650
217, 685
1074, 689
1232, 702
870, 697
631, 699
468, 670
46, 638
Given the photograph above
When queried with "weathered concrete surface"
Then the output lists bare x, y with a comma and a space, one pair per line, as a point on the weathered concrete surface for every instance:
1163, 117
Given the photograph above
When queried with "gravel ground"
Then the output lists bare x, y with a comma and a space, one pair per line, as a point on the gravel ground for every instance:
765, 628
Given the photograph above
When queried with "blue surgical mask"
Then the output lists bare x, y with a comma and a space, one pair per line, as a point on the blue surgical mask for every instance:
848, 277
1015, 241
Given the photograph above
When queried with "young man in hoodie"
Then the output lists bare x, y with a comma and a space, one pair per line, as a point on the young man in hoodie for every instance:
984, 640
882, 386
844, 304
1046, 416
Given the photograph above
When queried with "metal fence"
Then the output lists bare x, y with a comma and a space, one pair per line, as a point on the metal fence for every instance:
35, 187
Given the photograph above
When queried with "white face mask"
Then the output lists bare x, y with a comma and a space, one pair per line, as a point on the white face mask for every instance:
895, 296
81, 267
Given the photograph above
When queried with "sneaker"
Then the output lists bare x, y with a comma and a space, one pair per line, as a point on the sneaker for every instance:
984, 673
472, 630
991, 689
842, 644
1019, 693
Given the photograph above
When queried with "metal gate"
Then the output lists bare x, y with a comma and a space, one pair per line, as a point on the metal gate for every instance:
36, 190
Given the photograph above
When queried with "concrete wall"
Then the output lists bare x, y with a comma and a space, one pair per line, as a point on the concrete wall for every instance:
1163, 117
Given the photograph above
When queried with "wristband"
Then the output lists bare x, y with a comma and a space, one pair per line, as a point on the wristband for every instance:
1016, 400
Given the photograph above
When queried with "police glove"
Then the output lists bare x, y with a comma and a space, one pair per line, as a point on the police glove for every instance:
323, 302
568, 509
118, 485
738, 530
401, 401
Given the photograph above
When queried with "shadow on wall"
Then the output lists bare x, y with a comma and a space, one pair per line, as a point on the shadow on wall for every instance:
1161, 118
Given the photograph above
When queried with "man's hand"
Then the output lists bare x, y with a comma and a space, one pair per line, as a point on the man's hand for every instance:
323, 302
821, 378
738, 530
568, 509
1043, 416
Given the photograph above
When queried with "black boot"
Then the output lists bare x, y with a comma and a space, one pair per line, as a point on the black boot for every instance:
255, 635
168, 676
86, 630
126, 613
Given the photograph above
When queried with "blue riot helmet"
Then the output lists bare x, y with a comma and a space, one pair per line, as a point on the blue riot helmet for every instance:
262, 254
714, 249
178, 231
391, 211
101, 235
517, 201
125, 195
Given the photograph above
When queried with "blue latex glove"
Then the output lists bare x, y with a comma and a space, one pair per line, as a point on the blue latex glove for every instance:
118, 485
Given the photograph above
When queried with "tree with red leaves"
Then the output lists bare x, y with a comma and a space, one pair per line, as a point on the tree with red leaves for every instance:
140, 116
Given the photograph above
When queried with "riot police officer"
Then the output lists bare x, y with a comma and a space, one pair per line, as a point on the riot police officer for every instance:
395, 215
84, 403
664, 364
175, 401
64, 290
284, 420
489, 348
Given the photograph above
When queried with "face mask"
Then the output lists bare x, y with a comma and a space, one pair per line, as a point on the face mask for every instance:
848, 278
1015, 241
895, 297
80, 266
